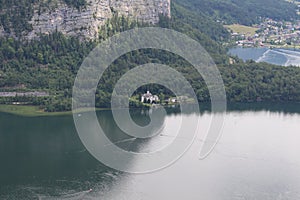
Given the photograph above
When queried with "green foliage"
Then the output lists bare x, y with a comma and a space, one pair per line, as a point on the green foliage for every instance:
51, 63
117, 24
246, 12
15, 15
199, 22
249, 82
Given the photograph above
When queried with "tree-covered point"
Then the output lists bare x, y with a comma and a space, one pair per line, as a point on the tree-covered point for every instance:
246, 12
250, 82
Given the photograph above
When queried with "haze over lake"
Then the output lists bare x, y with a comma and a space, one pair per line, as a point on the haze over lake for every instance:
256, 158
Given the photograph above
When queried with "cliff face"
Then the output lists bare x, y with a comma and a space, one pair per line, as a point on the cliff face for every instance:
85, 22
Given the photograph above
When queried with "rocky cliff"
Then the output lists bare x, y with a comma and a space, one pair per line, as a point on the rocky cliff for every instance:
85, 21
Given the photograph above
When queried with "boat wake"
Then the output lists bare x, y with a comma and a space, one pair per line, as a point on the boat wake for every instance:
263, 57
291, 57
73, 196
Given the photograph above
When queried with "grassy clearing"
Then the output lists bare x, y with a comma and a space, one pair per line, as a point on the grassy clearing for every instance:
29, 111
35, 111
237, 28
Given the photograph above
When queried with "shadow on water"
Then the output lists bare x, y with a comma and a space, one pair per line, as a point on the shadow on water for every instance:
44, 155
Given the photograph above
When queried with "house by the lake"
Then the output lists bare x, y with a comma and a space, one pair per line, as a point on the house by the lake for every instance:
149, 98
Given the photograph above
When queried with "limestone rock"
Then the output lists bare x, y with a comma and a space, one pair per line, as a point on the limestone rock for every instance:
85, 22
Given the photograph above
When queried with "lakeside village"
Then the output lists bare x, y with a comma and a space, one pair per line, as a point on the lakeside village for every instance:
269, 33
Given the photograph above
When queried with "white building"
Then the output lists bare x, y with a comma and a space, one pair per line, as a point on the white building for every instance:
148, 97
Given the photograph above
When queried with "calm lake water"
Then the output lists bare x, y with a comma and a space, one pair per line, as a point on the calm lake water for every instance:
256, 158
282, 57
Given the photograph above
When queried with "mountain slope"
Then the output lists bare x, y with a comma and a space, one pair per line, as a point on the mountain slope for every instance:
50, 64
246, 12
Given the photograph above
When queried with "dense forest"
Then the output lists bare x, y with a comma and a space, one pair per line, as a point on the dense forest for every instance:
51, 63
246, 12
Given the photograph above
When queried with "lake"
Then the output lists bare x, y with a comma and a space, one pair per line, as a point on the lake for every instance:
257, 157
284, 57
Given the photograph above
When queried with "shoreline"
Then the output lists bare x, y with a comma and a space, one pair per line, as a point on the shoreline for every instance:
35, 111
297, 48
29, 111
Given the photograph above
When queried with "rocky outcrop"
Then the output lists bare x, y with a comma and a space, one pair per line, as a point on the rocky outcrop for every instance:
85, 22
145, 10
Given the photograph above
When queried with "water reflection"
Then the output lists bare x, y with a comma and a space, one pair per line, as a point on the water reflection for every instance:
257, 158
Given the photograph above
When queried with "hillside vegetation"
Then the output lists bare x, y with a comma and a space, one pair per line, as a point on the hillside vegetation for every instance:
51, 64
237, 28
246, 12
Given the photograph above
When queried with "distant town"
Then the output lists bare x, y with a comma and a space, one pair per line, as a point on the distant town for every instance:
269, 33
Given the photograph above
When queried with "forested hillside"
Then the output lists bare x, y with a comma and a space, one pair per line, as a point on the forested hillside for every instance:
246, 12
50, 64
